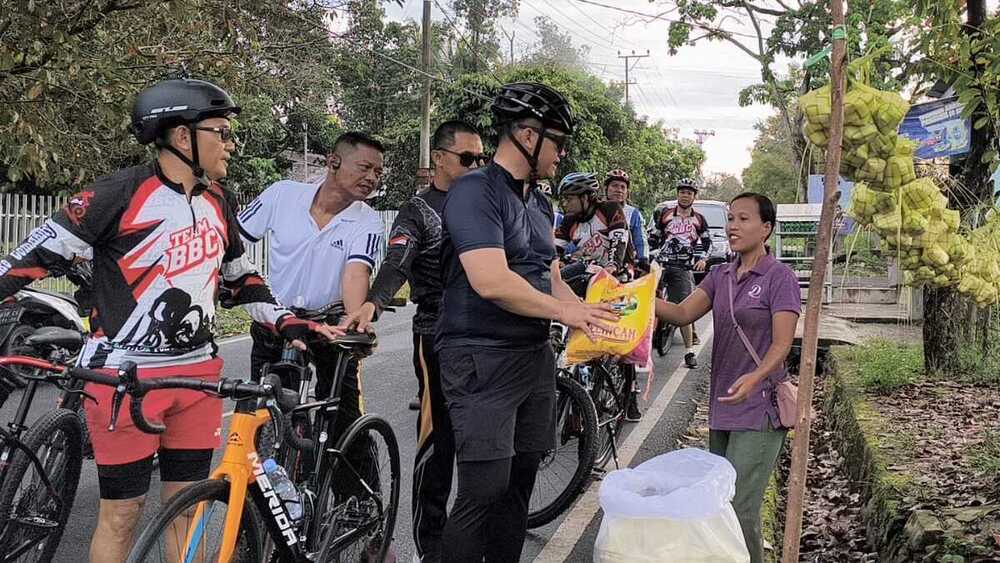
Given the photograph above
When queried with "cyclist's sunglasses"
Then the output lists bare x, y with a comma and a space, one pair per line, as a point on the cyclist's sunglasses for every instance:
226, 134
560, 140
466, 158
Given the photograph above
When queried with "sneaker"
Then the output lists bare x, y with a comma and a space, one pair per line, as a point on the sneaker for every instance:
415, 403
694, 339
690, 361
632, 412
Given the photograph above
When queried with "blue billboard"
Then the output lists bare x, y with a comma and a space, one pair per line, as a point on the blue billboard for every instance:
846, 224
938, 129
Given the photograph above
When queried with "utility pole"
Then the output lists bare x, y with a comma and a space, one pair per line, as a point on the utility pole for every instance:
628, 67
510, 37
424, 173
702, 135
810, 339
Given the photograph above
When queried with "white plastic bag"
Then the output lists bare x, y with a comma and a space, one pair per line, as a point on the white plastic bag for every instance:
673, 508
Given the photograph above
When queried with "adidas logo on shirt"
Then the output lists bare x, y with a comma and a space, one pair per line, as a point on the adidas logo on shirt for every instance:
338, 244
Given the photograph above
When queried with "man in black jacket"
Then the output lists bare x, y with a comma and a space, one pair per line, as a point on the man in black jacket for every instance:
414, 255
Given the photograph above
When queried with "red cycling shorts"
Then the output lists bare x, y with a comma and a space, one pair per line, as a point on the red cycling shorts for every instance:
193, 419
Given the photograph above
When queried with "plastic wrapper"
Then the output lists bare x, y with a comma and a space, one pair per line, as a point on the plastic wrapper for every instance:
675, 507
631, 337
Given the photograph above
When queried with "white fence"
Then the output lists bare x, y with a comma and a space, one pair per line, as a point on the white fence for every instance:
21, 213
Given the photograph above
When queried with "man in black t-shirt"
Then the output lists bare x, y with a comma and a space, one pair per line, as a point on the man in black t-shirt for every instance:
414, 255
501, 287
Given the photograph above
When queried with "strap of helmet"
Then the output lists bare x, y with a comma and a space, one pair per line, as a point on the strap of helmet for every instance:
196, 169
532, 157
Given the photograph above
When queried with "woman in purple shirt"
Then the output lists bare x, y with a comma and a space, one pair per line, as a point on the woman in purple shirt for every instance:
743, 416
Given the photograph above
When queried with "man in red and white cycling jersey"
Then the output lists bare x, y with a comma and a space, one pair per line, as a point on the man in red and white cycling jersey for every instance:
685, 225
591, 230
161, 236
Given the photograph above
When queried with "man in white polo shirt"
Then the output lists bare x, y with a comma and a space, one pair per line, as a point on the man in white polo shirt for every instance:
323, 243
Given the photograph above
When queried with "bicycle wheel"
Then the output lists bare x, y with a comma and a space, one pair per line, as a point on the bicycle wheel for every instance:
160, 539
610, 409
563, 472
35, 519
359, 494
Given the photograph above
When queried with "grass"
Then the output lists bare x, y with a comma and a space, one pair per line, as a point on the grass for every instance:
231, 322
985, 456
979, 366
883, 366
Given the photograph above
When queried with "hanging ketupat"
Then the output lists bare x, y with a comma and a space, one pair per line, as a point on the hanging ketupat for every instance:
910, 214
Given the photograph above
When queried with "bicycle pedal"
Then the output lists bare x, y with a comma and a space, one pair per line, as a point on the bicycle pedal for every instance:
37, 522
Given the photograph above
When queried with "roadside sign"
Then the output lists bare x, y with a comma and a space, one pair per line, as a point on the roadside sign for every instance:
938, 129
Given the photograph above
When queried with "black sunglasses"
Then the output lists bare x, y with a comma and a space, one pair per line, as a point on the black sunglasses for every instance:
560, 140
225, 133
466, 158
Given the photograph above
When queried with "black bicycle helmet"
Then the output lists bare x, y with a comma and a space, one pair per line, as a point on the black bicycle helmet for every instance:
182, 101
688, 184
171, 103
523, 100
530, 100
578, 183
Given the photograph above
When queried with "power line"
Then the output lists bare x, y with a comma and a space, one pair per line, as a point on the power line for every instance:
388, 58
583, 28
660, 17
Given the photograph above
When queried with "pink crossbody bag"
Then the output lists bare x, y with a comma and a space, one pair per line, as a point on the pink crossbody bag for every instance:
785, 393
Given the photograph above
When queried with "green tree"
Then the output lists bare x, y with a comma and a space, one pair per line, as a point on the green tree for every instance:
766, 31
70, 70
773, 169
721, 187
608, 135
480, 17
555, 47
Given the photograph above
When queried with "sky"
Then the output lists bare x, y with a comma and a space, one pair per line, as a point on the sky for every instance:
696, 89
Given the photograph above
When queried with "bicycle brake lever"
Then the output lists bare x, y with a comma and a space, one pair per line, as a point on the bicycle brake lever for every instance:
127, 379
116, 405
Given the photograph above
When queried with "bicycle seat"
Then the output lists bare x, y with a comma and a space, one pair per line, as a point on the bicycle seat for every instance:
359, 342
55, 337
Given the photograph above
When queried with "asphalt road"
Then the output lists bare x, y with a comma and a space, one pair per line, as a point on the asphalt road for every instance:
389, 384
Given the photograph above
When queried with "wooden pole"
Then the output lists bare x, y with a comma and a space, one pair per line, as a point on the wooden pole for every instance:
807, 369
425, 101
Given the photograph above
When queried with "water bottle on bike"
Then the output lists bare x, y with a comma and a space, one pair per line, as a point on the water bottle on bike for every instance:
285, 489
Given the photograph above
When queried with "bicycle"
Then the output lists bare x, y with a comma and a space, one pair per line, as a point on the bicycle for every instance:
311, 423
590, 410
677, 256
41, 464
35, 519
335, 521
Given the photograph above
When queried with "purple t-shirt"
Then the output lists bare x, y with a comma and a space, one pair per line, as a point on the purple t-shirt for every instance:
766, 289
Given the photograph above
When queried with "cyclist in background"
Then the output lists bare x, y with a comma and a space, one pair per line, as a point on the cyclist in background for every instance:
414, 255
160, 236
595, 231
616, 186
685, 225
591, 230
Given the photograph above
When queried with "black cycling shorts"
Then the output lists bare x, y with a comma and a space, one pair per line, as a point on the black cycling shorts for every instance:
131, 480
680, 283
500, 401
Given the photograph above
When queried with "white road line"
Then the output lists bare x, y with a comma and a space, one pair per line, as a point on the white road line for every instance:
560, 546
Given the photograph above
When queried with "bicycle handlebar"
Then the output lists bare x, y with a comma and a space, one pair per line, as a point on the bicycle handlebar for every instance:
127, 382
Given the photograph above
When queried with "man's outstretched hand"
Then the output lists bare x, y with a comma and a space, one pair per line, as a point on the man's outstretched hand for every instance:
359, 320
587, 317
